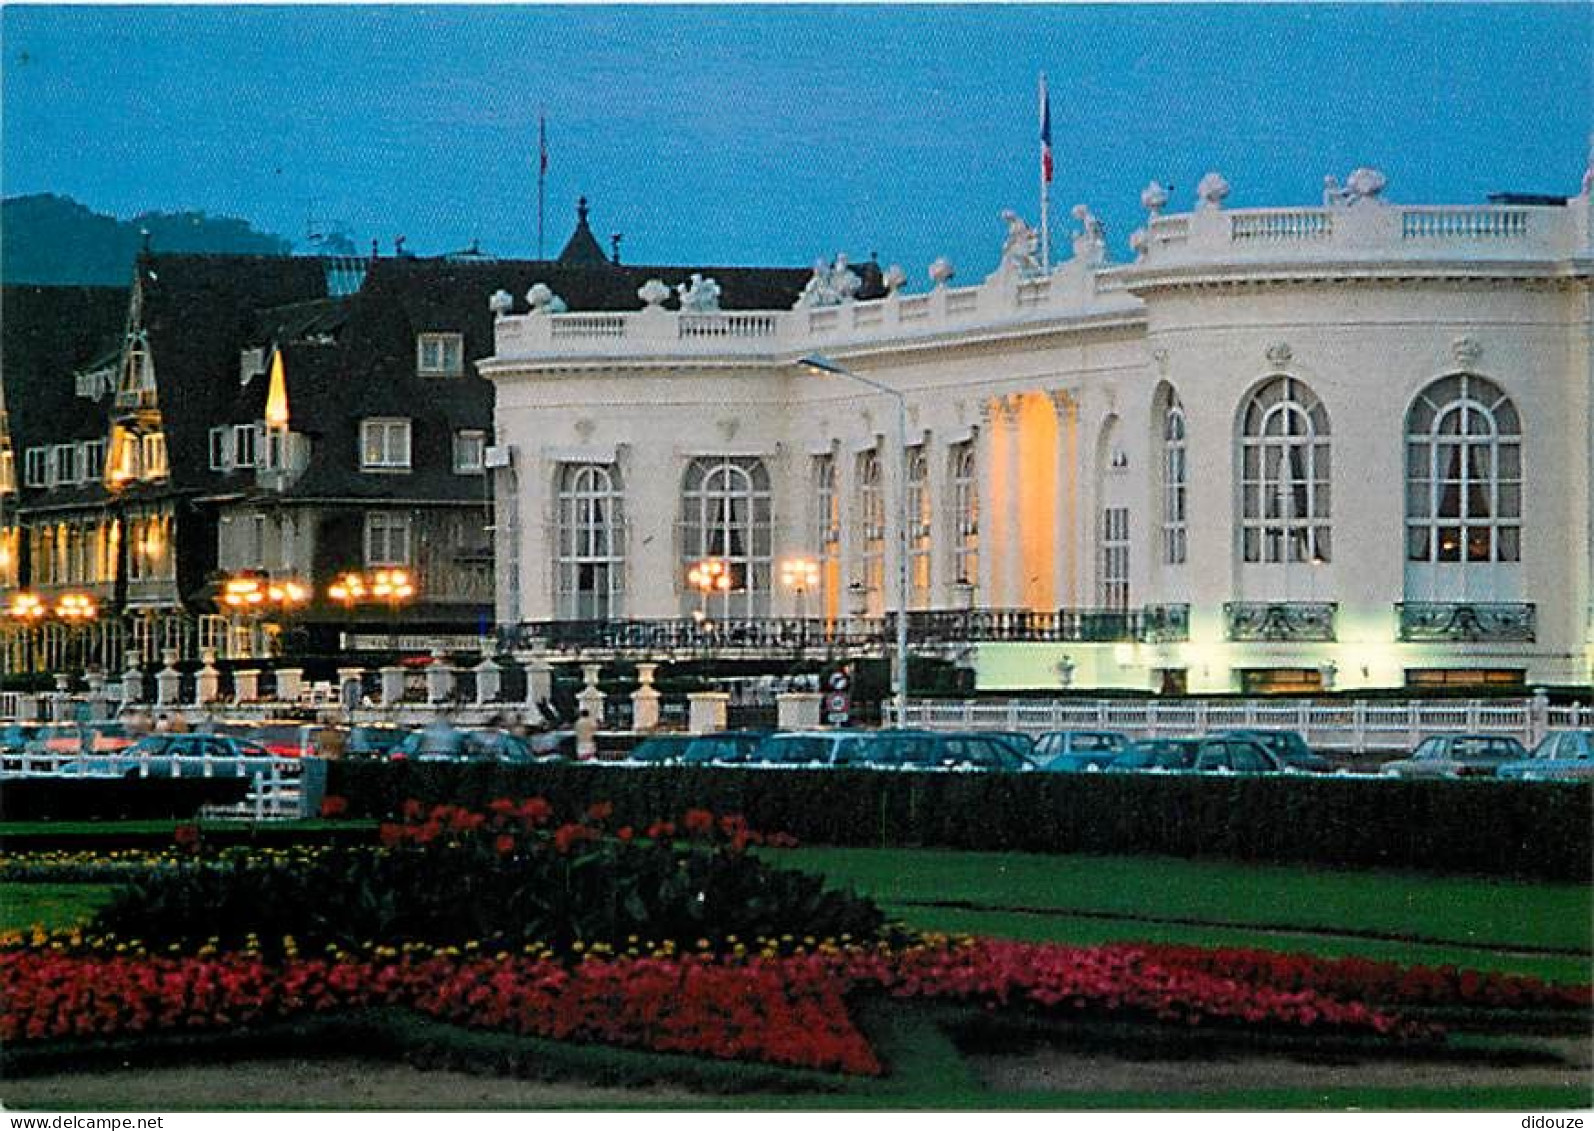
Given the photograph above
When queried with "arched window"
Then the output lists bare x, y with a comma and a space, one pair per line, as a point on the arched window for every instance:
964, 515
591, 553
872, 519
919, 526
725, 516
825, 532
1174, 530
1284, 475
1463, 473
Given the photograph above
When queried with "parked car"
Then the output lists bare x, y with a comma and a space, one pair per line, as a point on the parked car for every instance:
79, 738
1457, 756
927, 750
1235, 754
14, 737
1078, 751
1288, 747
1567, 756
728, 748
1156, 755
288, 738
156, 756
1017, 741
658, 750
811, 748
374, 740
444, 743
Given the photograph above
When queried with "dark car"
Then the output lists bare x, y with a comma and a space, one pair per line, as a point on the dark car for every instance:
181, 755
438, 743
1457, 756
728, 748
1567, 756
926, 750
816, 748
1288, 747
1156, 755
1235, 754
1079, 751
659, 750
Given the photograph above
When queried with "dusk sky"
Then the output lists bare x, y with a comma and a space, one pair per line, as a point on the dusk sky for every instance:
776, 135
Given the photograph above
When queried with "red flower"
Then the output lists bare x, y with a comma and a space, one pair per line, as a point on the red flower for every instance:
392, 835
625, 835
413, 810
570, 835
332, 806
535, 811
698, 822
600, 811
504, 844
661, 830
186, 837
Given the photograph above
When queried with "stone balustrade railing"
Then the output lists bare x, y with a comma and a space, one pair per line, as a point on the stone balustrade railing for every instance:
1364, 234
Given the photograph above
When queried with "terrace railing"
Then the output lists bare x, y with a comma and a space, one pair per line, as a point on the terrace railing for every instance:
1467, 621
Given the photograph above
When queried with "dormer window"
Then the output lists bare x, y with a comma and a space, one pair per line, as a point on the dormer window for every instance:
245, 445
35, 466
440, 355
152, 455
385, 444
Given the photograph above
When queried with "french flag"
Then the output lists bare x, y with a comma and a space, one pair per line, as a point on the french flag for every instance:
1046, 134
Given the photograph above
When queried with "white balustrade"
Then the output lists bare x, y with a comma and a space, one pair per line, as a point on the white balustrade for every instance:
1463, 223
1282, 225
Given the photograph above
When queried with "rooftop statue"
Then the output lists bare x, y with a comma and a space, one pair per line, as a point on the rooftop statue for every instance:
1362, 184
1019, 250
831, 285
699, 295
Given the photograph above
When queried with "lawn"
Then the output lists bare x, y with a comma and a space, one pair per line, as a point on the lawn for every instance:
1486, 923
50, 905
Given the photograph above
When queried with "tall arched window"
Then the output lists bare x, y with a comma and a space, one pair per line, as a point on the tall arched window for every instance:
919, 526
591, 554
1174, 529
1284, 475
964, 515
872, 522
825, 534
1463, 473
725, 515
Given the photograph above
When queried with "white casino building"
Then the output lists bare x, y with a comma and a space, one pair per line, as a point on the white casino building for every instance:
1287, 449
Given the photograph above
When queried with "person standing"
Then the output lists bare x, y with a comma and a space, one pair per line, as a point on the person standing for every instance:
586, 736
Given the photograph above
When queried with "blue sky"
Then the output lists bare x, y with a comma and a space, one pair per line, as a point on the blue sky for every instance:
774, 135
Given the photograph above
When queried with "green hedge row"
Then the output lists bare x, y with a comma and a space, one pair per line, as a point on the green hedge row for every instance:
115, 799
1526, 829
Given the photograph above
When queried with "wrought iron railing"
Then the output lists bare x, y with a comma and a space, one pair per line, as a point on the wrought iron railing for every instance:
1153, 624
1285, 621
1513, 623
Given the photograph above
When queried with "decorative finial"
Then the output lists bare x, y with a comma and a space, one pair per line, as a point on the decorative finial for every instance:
941, 271
501, 303
1153, 198
653, 292
1212, 190
581, 210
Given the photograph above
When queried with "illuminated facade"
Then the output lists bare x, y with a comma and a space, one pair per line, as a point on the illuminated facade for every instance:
1286, 449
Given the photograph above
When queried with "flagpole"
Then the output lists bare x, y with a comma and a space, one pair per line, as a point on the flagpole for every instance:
542, 174
1046, 181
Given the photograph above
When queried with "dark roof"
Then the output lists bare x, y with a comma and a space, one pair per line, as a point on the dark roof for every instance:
582, 249
199, 311
47, 335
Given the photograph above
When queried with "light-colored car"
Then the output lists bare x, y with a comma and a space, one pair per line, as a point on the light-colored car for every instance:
1457, 756
1567, 756
1078, 751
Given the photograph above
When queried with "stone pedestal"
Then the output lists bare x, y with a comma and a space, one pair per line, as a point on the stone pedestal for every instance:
489, 681
168, 682
245, 685
207, 684
290, 683
798, 710
645, 700
706, 711
132, 681
439, 678
61, 700
539, 679
392, 685
589, 698
95, 679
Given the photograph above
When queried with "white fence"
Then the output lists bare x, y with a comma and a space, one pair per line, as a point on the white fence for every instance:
279, 788
1353, 727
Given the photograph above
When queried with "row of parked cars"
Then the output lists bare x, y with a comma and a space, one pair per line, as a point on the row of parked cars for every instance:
1567, 755
1562, 756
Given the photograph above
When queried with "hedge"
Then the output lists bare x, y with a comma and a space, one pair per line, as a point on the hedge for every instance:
109, 799
1526, 829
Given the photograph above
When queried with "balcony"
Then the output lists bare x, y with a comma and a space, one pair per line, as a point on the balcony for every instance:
772, 636
1290, 622
1467, 622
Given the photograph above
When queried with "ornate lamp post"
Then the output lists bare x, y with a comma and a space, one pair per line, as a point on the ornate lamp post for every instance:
26, 611
709, 576
391, 587
800, 575
77, 611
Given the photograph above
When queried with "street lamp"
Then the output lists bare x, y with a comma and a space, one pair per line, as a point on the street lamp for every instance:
27, 610
819, 364
76, 611
800, 575
709, 576
391, 587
